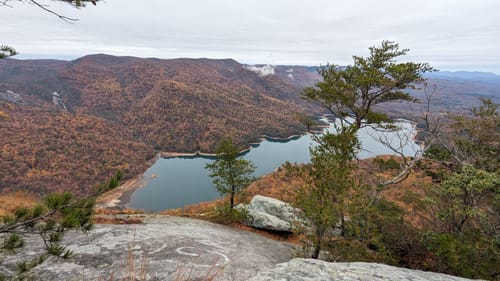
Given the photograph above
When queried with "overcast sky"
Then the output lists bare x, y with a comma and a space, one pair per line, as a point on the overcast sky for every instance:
448, 34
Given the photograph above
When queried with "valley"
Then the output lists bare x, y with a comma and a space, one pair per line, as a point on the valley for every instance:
249, 140
176, 182
70, 125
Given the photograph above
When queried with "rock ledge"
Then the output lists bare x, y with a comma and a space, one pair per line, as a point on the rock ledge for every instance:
316, 270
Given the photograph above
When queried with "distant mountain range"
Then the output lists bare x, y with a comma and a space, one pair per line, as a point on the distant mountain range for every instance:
178, 105
68, 125
466, 75
458, 91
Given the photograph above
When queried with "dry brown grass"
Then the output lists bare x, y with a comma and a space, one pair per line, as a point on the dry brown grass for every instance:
281, 185
135, 267
407, 194
10, 202
200, 210
277, 185
116, 220
112, 216
104, 211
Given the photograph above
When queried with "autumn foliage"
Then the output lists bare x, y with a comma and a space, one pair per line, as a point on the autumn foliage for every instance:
71, 125
43, 152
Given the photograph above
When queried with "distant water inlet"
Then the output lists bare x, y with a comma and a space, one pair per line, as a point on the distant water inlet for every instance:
179, 181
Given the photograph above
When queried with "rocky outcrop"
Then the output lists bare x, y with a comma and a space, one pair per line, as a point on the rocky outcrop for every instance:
316, 270
271, 214
162, 248
174, 248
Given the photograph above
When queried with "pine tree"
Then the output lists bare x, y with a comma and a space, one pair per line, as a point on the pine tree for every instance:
353, 91
230, 173
350, 94
49, 220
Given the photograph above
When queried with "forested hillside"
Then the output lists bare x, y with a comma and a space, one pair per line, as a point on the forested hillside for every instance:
43, 151
70, 125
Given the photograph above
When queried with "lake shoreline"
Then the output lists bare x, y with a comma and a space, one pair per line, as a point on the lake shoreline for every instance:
318, 129
121, 198
166, 155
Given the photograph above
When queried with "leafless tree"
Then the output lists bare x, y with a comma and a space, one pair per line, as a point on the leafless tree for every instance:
398, 139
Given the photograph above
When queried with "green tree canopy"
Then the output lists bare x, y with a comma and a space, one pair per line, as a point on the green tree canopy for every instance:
475, 139
326, 198
353, 91
6, 51
464, 197
50, 220
334, 190
230, 173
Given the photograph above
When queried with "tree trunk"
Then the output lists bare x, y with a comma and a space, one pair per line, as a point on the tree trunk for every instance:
232, 199
342, 224
317, 249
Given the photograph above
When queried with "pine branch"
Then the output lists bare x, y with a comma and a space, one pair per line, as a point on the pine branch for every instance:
6, 51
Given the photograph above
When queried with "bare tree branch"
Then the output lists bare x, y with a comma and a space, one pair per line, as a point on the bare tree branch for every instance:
45, 7
402, 138
399, 140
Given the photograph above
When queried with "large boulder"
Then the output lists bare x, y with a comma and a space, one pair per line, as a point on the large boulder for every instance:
271, 214
316, 270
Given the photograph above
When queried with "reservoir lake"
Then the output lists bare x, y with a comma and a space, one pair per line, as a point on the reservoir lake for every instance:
179, 181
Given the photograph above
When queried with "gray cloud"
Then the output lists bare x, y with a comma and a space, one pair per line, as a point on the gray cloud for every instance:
454, 35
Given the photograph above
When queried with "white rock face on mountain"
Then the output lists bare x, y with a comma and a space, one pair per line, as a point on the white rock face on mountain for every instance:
271, 214
57, 100
263, 71
316, 270
10, 96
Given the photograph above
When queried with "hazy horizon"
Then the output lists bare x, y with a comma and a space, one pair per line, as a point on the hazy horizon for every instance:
454, 36
66, 58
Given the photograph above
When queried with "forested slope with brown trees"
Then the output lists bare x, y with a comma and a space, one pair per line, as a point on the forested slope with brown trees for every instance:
67, 125
174, 105
43, 151
71, 125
